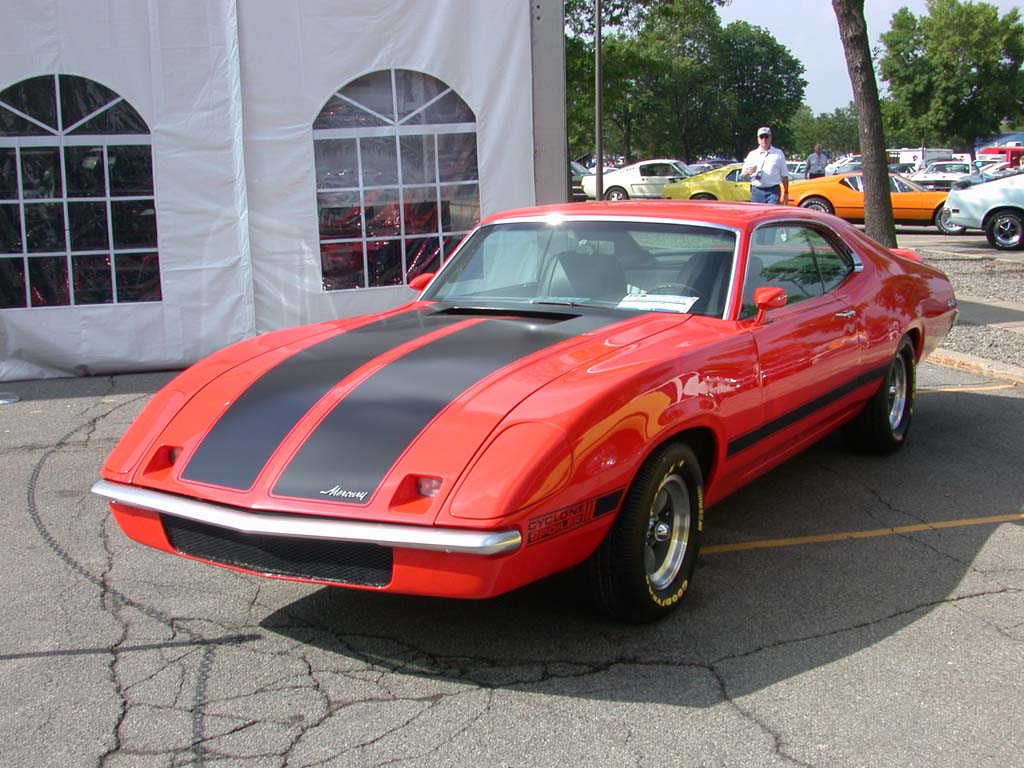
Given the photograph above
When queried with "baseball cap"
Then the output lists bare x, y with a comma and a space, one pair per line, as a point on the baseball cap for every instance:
764, 130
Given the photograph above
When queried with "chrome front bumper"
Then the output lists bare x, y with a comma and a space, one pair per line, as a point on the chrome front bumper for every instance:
310, 527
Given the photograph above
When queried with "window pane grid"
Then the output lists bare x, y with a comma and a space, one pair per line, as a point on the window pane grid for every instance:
415, 182
77, 213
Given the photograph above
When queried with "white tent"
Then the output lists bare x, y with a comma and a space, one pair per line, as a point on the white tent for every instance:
177, 176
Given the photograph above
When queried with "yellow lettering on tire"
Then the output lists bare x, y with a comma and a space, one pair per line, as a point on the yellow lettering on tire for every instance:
672, 599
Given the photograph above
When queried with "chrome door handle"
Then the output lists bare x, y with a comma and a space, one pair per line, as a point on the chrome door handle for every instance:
847, 313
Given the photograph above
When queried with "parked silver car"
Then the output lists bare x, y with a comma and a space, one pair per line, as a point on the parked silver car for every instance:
996, 206
941, 174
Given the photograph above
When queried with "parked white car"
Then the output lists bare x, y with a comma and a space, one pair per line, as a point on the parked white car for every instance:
643, 179
996, 206
941, 174
846, 164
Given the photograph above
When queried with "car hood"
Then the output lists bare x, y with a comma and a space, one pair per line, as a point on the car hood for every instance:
323, 418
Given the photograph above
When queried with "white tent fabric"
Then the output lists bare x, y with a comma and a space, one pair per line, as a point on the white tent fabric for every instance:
230, 90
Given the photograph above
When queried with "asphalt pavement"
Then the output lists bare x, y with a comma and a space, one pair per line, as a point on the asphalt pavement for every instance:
847, 611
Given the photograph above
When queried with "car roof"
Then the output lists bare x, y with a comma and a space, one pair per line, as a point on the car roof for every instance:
647, 162
739, 215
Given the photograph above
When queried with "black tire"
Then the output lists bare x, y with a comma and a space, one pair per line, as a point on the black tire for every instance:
703, 196
883, 425
1005, 230
818, 204
616, 193
642, 569
945, 226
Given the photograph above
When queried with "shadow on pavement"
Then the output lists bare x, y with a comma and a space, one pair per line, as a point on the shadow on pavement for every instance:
753, 617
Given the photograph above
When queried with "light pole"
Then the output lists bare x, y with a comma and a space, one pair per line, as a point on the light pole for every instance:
598, 135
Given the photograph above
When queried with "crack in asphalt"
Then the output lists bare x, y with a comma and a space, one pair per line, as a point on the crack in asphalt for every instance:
914, 538
112, 599
384, 661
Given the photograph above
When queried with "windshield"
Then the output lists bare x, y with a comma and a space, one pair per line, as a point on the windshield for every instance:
684, 169
619, 265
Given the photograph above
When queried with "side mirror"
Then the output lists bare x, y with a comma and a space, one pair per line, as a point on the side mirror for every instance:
420, 282
768, 298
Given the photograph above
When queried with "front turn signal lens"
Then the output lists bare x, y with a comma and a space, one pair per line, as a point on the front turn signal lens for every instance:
428, 486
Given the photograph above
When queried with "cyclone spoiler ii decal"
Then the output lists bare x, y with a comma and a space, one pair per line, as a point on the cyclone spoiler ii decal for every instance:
542, 527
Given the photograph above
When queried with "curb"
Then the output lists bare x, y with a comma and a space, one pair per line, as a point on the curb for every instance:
1002, 371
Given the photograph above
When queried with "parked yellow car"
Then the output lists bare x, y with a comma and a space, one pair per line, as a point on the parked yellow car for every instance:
720, 184
843, 195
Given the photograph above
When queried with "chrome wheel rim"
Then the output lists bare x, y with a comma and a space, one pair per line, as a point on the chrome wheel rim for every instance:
946, 225
615, 194
668, 532
897, 395
1007, 231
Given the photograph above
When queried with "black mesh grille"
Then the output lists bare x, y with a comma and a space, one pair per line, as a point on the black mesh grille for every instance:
337, 561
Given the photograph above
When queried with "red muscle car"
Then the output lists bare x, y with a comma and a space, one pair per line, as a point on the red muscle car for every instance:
575, 387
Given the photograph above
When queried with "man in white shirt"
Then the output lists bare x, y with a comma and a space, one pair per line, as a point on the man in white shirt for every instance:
765, 166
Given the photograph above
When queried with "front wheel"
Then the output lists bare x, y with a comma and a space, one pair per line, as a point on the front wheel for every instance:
703, 196
643, 567
1005, 230
818, 204
616, 193
883, 425
945, 226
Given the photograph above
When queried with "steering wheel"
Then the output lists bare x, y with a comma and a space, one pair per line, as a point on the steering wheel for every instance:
674, 289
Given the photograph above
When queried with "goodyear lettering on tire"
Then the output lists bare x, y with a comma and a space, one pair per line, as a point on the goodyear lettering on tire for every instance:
672, 599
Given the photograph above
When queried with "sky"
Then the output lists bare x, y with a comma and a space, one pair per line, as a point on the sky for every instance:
809, 30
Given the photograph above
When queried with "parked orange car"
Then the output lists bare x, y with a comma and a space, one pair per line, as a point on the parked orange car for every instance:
843, 195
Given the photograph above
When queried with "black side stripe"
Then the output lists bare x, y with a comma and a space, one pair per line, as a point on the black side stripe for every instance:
743, 442
351, 451
247, 434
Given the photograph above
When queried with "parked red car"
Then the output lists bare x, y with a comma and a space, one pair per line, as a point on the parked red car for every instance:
575, 387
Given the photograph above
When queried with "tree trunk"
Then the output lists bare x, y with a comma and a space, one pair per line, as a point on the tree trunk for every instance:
853, 31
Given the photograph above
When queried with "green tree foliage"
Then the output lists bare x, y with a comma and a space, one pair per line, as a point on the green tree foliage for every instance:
957, 72
684, 114
674, 82
761, 82
579, 14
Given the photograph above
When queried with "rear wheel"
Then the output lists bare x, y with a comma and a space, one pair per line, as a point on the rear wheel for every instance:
703, 196
818, 204
945, 226
643, 567
1005, 230
883, 425
616, 193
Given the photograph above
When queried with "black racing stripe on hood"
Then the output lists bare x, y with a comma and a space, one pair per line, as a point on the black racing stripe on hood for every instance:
250, 430
350, 452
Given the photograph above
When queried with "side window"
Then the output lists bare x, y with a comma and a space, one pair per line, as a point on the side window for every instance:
800, 260
734, 174
658, 169
900, 185
853, 182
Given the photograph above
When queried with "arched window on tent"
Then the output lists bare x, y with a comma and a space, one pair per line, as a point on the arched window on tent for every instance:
396, 177
77, 212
